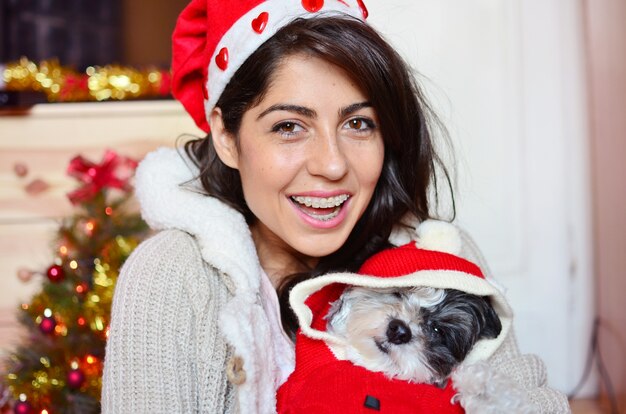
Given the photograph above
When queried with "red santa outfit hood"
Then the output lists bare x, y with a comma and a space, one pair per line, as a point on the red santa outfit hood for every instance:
324, 381
429, 261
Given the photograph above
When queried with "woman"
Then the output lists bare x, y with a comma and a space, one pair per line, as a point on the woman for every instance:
319, 147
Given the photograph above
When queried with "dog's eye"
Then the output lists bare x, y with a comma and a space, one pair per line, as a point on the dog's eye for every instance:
435, 328
397, 294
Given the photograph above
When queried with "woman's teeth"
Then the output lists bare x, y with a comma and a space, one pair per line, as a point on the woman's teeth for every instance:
317, 202
308, 204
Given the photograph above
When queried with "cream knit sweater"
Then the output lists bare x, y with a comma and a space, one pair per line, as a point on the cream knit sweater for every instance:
188, 331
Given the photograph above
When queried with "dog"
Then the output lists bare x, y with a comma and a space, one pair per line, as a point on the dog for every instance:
414, 334
422, 335
413, 331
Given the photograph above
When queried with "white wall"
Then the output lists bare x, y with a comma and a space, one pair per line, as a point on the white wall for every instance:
507, 78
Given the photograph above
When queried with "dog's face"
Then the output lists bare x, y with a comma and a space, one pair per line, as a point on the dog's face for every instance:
416, 334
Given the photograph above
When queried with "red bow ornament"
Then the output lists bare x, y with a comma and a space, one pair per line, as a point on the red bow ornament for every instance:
113, 171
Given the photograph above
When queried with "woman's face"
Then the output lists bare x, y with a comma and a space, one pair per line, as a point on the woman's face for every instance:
309, 155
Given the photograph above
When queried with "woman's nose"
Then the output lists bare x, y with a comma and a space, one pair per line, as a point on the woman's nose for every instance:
327, 158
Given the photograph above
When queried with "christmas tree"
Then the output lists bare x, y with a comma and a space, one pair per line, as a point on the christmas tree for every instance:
58, 367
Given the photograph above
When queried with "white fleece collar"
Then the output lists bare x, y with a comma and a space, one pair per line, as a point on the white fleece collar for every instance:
170, 197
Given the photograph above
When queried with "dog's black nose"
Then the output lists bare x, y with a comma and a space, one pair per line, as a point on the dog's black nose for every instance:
398, 332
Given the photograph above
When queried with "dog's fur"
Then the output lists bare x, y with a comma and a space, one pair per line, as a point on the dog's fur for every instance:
423, 334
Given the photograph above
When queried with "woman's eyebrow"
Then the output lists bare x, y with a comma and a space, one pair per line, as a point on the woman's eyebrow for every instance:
310, 113
301, 110
345, 111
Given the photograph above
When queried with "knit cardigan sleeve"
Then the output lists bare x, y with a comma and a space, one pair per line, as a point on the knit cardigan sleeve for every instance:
164, 353
527, 370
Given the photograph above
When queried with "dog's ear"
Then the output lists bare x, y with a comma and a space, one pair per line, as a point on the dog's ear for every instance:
491, 325
338, 312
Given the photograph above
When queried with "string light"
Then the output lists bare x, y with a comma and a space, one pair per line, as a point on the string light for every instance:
63, 84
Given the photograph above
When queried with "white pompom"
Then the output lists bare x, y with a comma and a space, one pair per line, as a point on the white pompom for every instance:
439, 236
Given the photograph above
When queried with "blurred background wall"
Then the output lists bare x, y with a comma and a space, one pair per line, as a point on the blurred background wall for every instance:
606, 63
148, 26
508, 80
81, 33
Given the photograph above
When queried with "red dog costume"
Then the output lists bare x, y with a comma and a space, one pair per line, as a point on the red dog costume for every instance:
325, 382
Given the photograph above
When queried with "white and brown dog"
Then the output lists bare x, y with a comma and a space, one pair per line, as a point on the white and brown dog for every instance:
414, 315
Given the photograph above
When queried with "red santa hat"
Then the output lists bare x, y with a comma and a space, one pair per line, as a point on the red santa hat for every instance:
213, 38
432, 261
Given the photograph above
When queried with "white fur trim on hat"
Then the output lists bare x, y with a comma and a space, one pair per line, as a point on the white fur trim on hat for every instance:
241, 41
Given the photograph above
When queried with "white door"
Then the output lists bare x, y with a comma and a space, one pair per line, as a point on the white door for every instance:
507, 79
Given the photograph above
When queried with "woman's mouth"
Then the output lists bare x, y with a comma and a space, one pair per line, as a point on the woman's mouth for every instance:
320, 208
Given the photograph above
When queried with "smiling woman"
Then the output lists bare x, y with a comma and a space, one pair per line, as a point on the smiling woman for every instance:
318, 154
307, 117
309, 155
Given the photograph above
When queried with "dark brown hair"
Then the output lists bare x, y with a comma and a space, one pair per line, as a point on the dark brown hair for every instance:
405, 121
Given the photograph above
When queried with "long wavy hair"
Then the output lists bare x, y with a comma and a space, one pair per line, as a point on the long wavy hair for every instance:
406, 123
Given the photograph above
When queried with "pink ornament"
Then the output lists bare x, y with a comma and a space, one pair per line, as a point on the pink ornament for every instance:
36, 187
312, 5
259, 24
221, 60
23, 407
47, 324
20, 169
55, 273
24, 274
75, 378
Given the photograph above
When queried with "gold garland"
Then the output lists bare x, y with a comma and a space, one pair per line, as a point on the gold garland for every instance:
64, 84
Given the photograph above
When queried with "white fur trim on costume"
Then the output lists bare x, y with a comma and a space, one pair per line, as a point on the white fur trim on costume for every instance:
241, 41
442, 279
170, 197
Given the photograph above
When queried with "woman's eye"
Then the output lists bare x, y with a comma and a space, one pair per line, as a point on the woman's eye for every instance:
359, 124
287, 128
